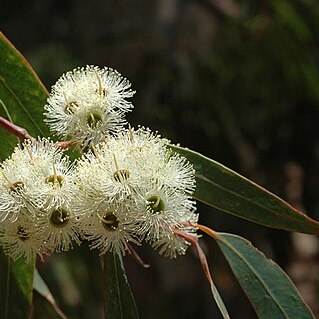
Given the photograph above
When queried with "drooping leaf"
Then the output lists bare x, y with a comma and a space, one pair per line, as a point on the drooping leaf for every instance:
22, 95
41, 287
217, 297
219, 301
271, 292
16, 282
119, 300
222, 188
205, 267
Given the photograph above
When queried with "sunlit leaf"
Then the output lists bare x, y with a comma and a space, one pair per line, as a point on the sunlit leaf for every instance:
269, 289
222, 188
22, 95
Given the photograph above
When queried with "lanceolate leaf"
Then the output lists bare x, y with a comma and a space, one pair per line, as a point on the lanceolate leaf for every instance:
119, 300
41, 287
269, 289
16, 282
222, 188
22, 95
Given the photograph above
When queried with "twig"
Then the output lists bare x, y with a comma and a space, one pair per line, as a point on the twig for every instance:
23, 134
18, 131
202, 258
137, 257
66, 144
203, 261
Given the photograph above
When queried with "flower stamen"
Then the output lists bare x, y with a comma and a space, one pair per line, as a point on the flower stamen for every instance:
17, 187
70, 106
121, 175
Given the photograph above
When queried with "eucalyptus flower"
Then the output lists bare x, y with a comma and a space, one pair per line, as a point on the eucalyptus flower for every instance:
170, 245
88, 104
18, 176
163, 209
20, 238
36, 174
111, 227
121, 165
59, 228
176, 173
53, 181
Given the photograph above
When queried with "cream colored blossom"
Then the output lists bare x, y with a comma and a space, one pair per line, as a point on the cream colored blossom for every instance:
88, 104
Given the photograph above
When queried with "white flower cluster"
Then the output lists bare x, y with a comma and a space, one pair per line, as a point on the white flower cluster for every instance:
128, 187
36, 201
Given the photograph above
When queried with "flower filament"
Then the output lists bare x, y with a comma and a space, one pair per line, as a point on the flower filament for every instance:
17, 187
70, 107
121, 175
54, 179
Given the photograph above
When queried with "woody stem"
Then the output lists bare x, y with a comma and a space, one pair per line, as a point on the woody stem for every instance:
18, 131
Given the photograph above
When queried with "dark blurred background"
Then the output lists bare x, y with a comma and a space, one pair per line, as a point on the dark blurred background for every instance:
235, 80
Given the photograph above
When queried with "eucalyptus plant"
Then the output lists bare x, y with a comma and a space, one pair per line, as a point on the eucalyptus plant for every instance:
128, 186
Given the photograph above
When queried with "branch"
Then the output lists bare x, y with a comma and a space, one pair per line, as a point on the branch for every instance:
18, 131
23, 134
135, 255
203, 261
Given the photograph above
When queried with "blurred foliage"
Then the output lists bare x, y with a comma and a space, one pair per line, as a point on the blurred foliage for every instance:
235, 80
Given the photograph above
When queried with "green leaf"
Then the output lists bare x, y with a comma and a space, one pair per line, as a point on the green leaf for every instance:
22, 97
222, 188
119, 300
203, 261
219, 301
41, 287
22, 94
271, 292
16, 282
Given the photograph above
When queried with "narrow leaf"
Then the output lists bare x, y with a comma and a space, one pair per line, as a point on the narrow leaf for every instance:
217, 297
119, 300
203, 261
22, 96
16, 282
219, 301
41, 287
222, 188
271, 292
